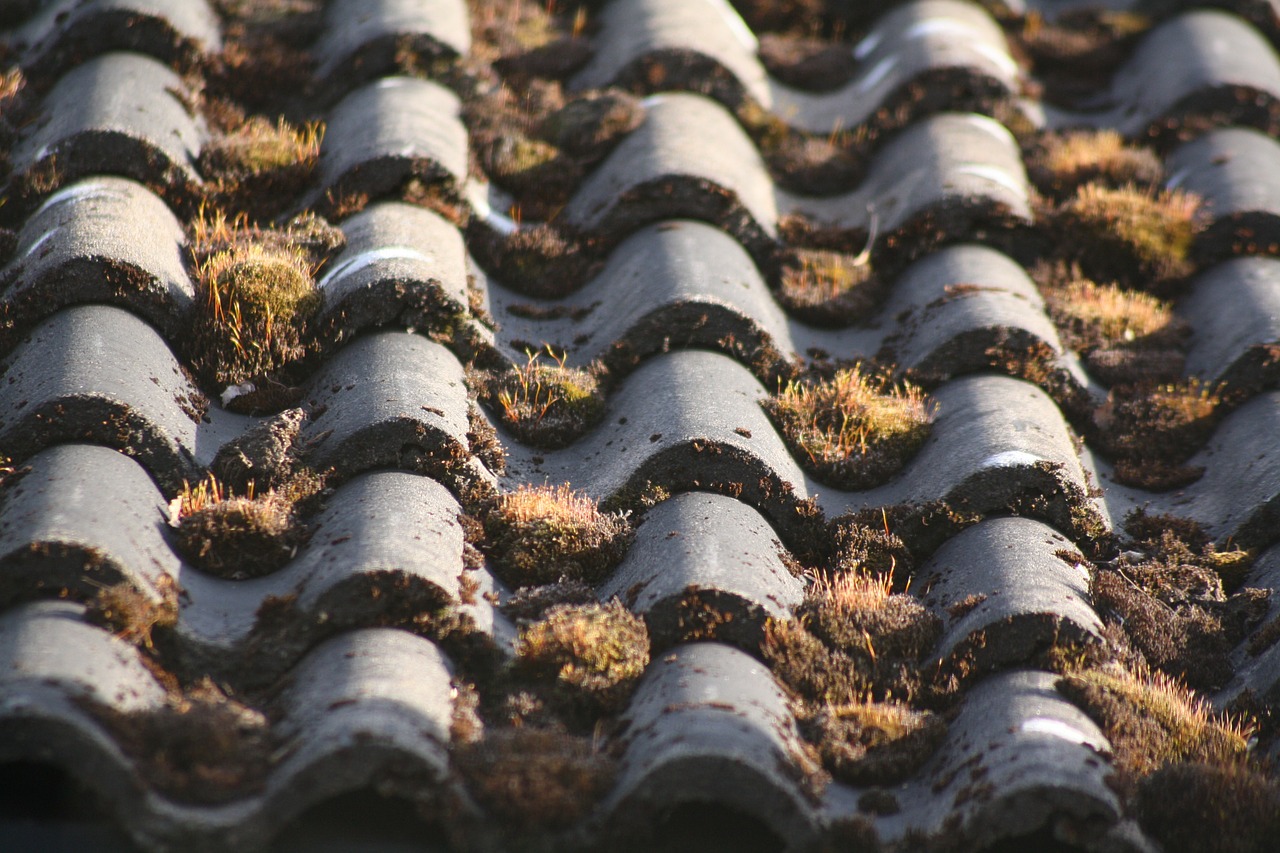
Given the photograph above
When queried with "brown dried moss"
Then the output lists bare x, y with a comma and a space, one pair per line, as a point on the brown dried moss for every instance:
542, 534
1196, 807
548, 405
594, 653
855, 430
874, 743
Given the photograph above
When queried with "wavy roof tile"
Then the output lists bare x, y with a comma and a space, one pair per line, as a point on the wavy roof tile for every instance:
394, 442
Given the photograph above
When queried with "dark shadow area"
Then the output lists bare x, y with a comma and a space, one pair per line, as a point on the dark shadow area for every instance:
712, 828
360, 821
43, 808
1041, 840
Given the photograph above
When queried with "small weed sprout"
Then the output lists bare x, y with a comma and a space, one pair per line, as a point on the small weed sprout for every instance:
542, 534
1129, 234
1106, 315
548, 405
12, 82
854, 430
595, 652
257, 146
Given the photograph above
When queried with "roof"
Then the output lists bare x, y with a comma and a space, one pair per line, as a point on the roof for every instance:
437, 425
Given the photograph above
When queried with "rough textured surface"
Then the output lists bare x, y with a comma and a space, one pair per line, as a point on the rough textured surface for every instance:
738, 643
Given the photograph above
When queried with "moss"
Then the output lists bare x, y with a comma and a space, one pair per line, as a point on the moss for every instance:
529, 778
530, 602
263, 457
1130, 235
1063, 162
807, 63
873, 550
542, 534
251, 318
133, 614
594, 652
1150, 720
590, 125
816, 673
547, 405
529, 167
874, 743
201, 746
827, 288
854, 430
1192, 807
813, 165
1150, 430
238, 537
858, 614
257, 147
543, 261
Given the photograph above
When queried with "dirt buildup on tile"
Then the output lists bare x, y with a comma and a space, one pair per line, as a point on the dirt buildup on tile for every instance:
201, 746
531, 778
875, 550
593, 654
1060, 163
1136, 237
1123, 336
544, 534
1151, 720
1150, 431
263, 457
1195, 807
815, 64
814, 165
258, 166
528, 603
1167, 596
133, 614
591, 124
544, 402
543, 261
855, 430
264, 64
873, 743
483, 441
830, 289
240, 536
531, 169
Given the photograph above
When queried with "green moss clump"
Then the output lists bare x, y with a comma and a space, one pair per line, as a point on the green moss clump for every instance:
595, 652
1149, 431
827, 288
1063, 162
543, 534
546, 405
1151, 720
1130, 235
255, 303
854, 430
1194, 807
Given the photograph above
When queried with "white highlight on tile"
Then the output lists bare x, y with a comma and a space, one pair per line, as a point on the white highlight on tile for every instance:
989, 125
869, 43
78, 191
995, 175
996, 57
1056, 728
738, 26
652, 101
232, 391
371, 257
1176, 179
878, 73
478, 195
1010, 459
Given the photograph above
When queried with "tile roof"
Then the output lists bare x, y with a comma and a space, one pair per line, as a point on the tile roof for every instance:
599, 214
